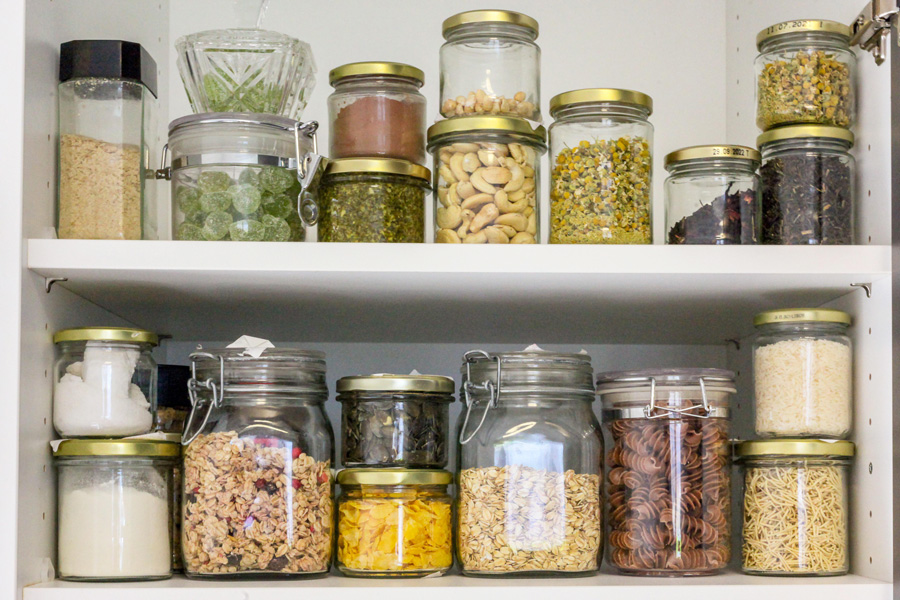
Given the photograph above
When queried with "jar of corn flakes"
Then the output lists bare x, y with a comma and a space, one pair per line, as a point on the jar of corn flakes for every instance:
394, 523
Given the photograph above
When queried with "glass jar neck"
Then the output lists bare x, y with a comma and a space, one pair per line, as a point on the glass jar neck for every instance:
712, 166
418, 489
823, 145
79, 346
517, 398
603, 110
818, 40
240, 399
788, 461
813, 327
376, 82
485, 137
471, 32
343, 178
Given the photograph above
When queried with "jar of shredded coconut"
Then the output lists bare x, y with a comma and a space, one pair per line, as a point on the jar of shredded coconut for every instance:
803, 373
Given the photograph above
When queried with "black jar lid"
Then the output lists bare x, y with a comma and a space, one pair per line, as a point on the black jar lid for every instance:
114, 59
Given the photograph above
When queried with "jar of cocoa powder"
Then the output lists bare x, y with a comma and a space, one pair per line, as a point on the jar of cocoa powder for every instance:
376, 110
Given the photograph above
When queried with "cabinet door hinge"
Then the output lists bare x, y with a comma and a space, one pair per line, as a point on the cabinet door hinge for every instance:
872, 27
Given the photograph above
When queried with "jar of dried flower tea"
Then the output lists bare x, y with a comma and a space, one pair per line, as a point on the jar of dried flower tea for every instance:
394, 523
805, 73
373, 200
808, 181
712, 195
395, 420
530, 466
257, 465
601, 155
668, 488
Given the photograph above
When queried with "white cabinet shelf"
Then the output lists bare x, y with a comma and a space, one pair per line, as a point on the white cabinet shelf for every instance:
372, 292
733, 586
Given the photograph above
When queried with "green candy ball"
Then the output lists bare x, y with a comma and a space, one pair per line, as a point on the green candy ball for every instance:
188, 200
189, 232
276, 179
277, 205
245, 198
249, 177
215, 202
216, 225
277, 230
247, 230
213, 181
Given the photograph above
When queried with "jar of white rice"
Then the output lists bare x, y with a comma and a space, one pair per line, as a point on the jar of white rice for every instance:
803, 373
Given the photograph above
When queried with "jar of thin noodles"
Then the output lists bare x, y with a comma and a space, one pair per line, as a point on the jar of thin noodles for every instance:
795, 506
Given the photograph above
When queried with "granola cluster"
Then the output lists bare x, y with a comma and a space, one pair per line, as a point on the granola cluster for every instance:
255, 505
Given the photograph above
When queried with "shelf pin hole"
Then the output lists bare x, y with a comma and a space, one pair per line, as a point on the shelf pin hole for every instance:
870, 468
870, 377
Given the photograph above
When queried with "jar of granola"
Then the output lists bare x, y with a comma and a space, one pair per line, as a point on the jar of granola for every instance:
394, 523
257, 466
530, 466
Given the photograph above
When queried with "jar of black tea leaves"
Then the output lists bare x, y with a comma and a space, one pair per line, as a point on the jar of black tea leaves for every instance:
808, 185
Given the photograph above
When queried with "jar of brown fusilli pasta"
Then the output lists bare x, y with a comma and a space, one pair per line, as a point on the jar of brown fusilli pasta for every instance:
795, 506
668, 487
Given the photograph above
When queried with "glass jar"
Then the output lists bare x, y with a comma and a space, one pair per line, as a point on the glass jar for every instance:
394, 523
668, 487
235, 176
376, 110
104, 382
115, 501
796, 509
530, 466
601, 149
712, 195
395, 420
373, 200
805, 73
257, 466
808, 180
172, 402
107, 134
803, 373
487, 180
490, 64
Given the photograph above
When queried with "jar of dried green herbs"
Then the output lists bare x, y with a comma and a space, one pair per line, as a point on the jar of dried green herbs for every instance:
808, 185
373, 200
805, 73
601, 151
712, 195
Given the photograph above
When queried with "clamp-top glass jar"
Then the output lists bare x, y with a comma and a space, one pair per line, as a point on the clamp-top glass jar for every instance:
712, 195
257, 466
601, 152
487, 180
243, 177
490, 64
376, 110
806, 73
668, 487
808, 181
803, 373
530, 466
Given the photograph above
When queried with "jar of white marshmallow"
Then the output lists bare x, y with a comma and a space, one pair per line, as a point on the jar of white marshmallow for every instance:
104, 382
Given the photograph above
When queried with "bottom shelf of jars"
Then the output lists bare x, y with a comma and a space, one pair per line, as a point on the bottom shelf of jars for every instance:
733, 585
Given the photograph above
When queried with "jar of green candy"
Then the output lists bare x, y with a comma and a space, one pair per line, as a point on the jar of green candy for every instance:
242, 177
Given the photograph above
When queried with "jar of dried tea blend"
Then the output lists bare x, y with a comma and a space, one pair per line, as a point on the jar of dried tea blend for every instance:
373, 200
601, 149
806, 73
376, 110
712, 195
395, 420
808, 180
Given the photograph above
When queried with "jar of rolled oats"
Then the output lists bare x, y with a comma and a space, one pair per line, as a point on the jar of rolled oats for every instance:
257, 465
530, 466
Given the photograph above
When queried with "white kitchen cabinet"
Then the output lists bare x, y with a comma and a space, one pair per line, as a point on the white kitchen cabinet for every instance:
394, 308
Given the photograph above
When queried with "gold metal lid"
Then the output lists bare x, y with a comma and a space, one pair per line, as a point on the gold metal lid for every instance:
387, 166
794, 447
376, 68
129, 447
801, 26
489, 16
592, 95
105, 334
387, 382
804, 131
802, 315
485, 124
394, 477
714, 152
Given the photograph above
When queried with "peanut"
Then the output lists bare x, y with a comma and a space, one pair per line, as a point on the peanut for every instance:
480, 102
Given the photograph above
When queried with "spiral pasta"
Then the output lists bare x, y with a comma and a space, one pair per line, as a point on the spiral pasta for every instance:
669, 496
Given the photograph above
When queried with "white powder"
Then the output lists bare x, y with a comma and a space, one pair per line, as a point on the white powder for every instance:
113, 530
803, 388
96, 397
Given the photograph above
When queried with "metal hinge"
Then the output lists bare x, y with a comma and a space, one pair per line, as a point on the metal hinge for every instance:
872, 27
